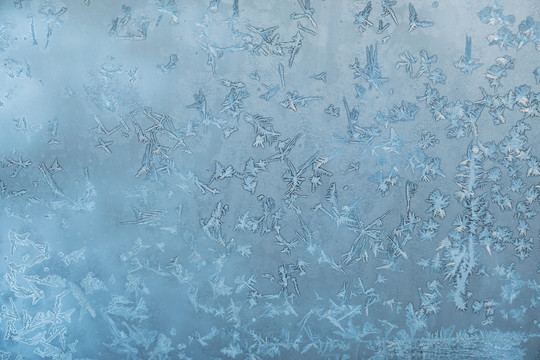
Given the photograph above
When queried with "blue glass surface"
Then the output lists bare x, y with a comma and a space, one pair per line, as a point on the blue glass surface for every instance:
291, 179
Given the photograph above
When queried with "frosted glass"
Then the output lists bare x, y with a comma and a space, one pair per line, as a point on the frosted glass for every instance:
240, 179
